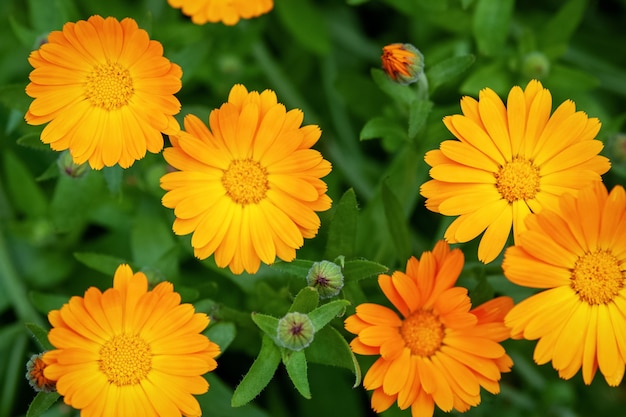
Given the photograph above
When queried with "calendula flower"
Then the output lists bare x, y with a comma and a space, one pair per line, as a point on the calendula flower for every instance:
248, 187
226, 11
105, 90
129, 351
402, 62
577, 255
508, 162
438, 350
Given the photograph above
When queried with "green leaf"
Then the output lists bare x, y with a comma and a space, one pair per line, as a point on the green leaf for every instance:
418, 114
268, 324
494, 76
491, 24
106, 264
33, 141
383, 128
306, 300
343, 226
73, 199
14, 97
113, 176
151, 240
396, 224
259, 374
41, 336
25, 193
298, 267
330, 348
359, 269
306, 23
295, 363
44, 303
398, 92
570, 79
322, 315
48, 15
222, 333
216, 402
447, 70
26, 36
42, 401
562, 25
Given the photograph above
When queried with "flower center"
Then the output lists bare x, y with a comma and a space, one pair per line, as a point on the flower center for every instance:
109, 86
518, 180
423, 333
245, 181
597, 277
125, 359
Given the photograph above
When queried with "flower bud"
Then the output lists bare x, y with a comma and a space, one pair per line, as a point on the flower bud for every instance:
536, 65
295, 331
34, 374
326, 278
68, 167
618, 148
402, 62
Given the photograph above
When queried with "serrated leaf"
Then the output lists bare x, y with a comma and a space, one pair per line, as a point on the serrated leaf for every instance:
398, 92
447, 70
25, 193
359, 269
298, 267
41, 336
418, 114
106, 264
295, 363
396, 224
304, 21
322, 315
330, 348
343, 227
259, 374
491, 24
222, 333
267, 324
42, 402
305, 301
383, 128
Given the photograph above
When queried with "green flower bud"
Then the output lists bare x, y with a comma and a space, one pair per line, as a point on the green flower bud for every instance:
326, 278
295, 331
536, 65
68, 167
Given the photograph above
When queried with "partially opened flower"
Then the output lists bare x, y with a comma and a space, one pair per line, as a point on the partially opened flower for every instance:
508, 162
249, 187
105, 90
226, 11
130, 351
577, 255
437, 350
402, 62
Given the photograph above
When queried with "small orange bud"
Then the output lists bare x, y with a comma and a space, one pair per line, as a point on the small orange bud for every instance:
34, 374
402, 62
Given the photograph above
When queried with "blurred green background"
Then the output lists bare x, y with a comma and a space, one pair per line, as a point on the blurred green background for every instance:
59, 235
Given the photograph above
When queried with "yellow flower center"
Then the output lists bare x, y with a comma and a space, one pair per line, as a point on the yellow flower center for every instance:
125, 359
245, 181
597, 277
109, 86
422, 332
518, 180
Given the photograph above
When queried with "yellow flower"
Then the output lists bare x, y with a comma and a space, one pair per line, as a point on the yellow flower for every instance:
508, 162
226, 11
130, 351
439, 351
249, 187
106, 90
402, 62
577, 254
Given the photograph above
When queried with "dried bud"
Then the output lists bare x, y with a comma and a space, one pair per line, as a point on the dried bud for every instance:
34, 374
402, 62
295, 331
326, 278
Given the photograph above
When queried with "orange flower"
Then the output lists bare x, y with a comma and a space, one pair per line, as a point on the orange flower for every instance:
248, 188
130, 351
402, 62
577, 255
226, 11
106, 91
439, 351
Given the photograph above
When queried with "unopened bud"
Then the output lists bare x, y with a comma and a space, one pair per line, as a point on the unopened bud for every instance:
402, 62
536, 65
326, 278
34, 374
68, 167
295, 331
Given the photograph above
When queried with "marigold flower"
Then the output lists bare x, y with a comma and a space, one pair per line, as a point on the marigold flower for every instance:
508, 162
106, 90
129, 351
439, 351
577, 254
402, 62
226, 11
249, 187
